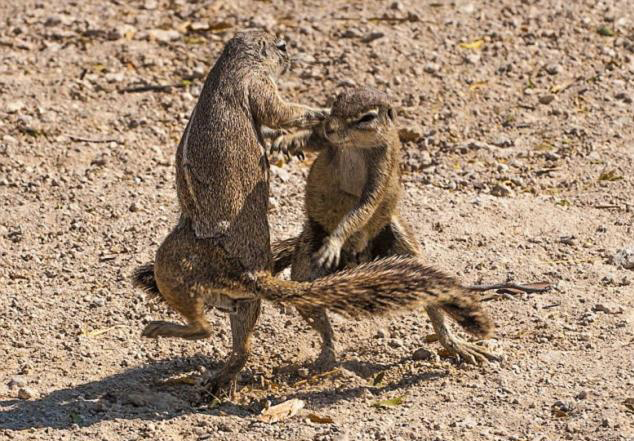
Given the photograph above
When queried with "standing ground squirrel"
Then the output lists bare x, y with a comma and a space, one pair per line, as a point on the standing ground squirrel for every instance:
351, 204
219, 253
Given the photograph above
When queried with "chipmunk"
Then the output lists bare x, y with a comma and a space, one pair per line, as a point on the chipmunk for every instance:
351, 204
219, 253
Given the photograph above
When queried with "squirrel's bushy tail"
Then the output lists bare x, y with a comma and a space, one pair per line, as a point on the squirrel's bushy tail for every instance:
143, 277
283, 251
381, 287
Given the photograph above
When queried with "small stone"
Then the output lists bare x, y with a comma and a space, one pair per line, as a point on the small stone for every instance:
351, 33
133, 207
199, 26
372, 36
396, 343
501, 190
303, 372
411, 133
381, 333
16, 382
582, 395
472, 58
273, 204
546, 99
15, 106
623, 96
150, 5
472, 144
347, 82
551, 156
422, 354
163, 35
503, 142
625, 257
53, 20
608, 308
431, 68
552, 69
503, 168
281, 173
27, 393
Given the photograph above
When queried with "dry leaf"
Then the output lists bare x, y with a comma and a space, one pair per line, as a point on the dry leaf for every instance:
475, 44
281, 411
313, 417
393, 402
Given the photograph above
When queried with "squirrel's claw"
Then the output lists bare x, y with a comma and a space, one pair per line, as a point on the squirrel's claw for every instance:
328, 255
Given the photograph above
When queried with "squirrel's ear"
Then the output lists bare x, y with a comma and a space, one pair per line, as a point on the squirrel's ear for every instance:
263, 48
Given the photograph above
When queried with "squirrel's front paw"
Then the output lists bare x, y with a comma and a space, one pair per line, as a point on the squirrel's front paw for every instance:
292, 144
329, 254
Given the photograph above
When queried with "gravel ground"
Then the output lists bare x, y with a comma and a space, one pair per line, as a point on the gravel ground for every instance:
519, 165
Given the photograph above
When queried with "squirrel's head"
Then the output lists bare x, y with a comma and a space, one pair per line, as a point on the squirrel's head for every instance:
264, 48
361, 117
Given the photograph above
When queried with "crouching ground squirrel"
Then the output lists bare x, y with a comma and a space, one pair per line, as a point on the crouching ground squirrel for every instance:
351, 205
219, 253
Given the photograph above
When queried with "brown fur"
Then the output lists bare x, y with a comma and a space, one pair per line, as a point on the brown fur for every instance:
351, 204
222, 182
219, 253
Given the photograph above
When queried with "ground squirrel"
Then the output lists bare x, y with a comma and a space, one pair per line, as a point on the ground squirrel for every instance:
351, 204
219, 253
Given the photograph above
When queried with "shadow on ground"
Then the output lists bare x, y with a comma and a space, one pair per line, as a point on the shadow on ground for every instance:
141, 394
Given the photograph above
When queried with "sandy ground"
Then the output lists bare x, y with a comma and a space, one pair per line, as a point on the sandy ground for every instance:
519, 167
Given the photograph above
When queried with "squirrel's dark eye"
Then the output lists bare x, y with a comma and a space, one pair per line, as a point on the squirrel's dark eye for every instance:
281, 45
367, 118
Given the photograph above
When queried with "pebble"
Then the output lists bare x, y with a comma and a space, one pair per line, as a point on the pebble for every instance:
623, 96
27, 393
281, 173
625, 257
16, 382
546, 99
608, 308
396, 343
552, 69
372, 36
15, 106
303, 372
431, 68
163, 35
347, 82
411, 133
501, 190
150, 5
582, 395
382, 333
422, 354
503, 142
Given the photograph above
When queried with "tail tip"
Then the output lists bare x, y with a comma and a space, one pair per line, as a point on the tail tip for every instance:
143, 277
471, 318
